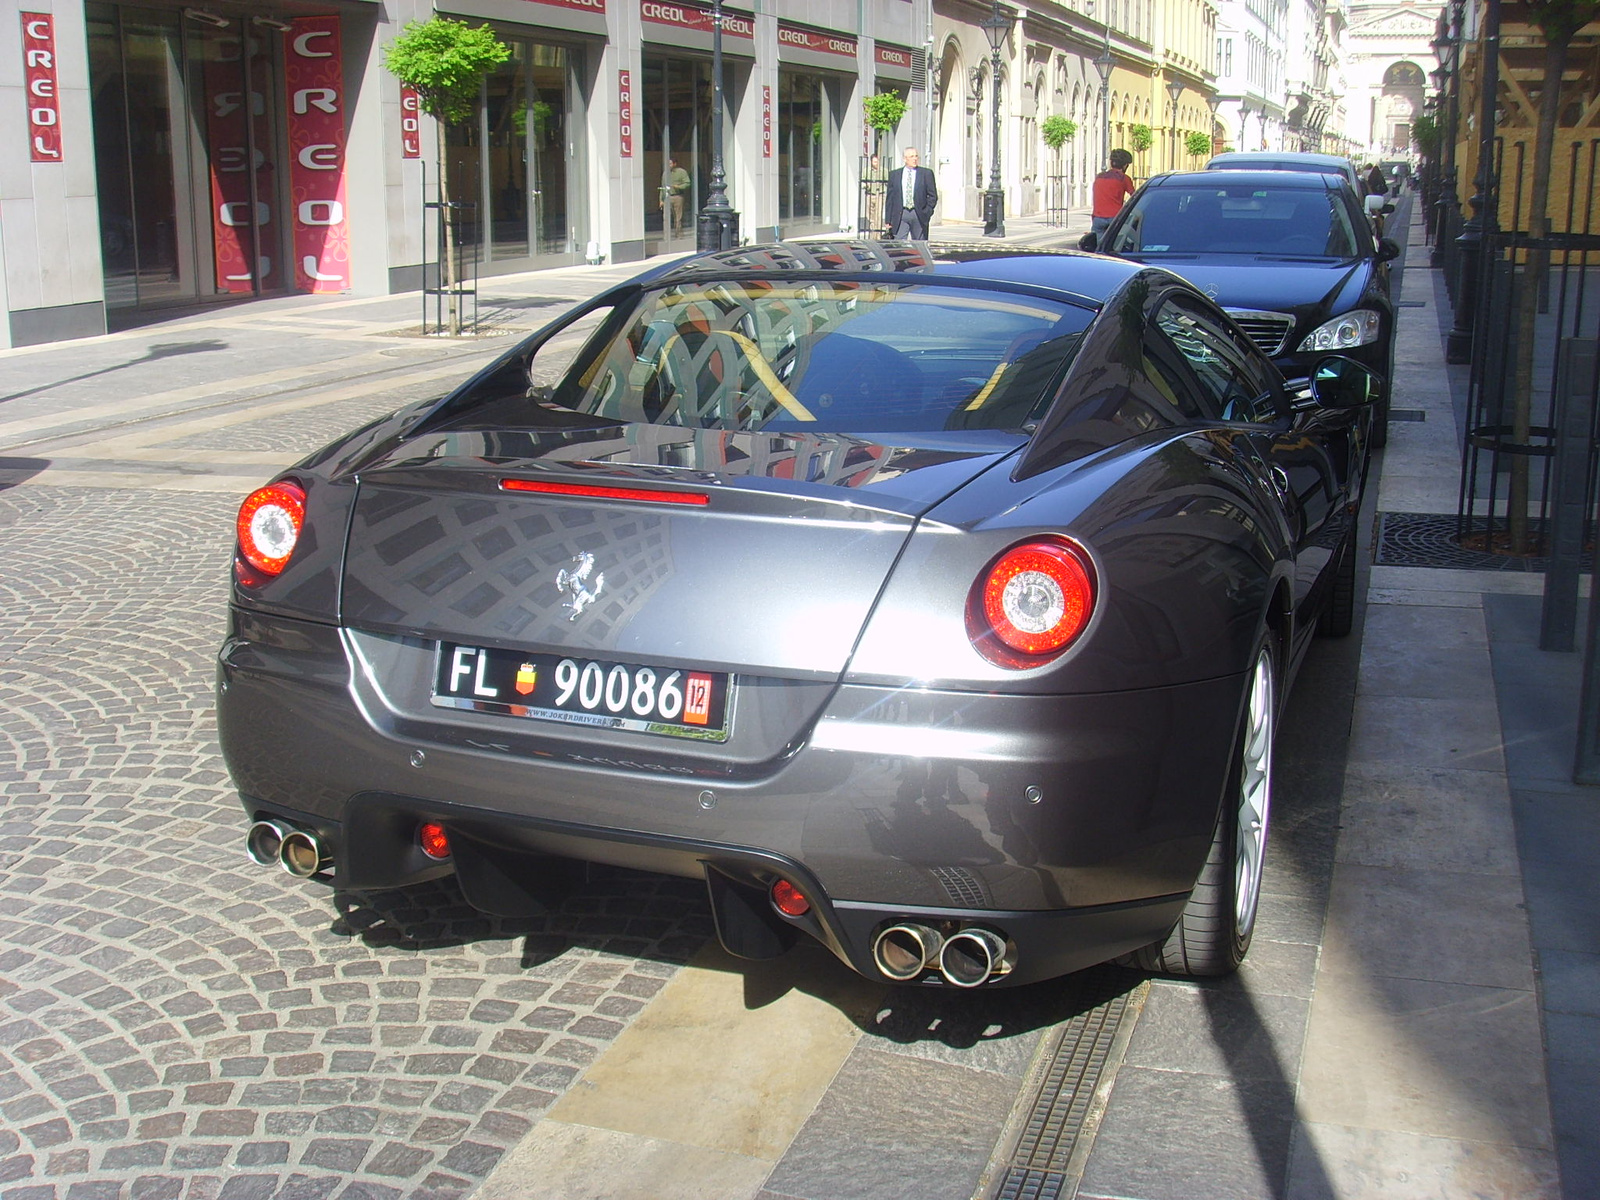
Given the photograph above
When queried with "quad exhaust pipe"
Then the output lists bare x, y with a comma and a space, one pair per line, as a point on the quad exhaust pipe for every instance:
298, 851
966, 958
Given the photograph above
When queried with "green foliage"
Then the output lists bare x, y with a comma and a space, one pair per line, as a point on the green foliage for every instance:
445, 61
1197, 143
884, 111
1140, 137
1560, 20
1425, 133
1058, 129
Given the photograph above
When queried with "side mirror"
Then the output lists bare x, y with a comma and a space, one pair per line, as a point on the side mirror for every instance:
1375, 204
1089, 241
1388, 249
1339, 382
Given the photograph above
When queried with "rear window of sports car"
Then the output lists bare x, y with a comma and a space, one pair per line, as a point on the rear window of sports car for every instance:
834, 356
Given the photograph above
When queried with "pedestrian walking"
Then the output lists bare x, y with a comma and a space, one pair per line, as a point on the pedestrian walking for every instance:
677, 188
908, 206
1111, 188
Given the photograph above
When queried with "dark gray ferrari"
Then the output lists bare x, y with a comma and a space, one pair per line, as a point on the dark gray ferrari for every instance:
935, 604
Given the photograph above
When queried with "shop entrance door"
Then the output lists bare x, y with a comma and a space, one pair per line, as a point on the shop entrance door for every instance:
676, 104
517, 161
187, 146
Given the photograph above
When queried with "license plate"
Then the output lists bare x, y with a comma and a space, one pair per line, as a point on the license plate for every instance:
580, 691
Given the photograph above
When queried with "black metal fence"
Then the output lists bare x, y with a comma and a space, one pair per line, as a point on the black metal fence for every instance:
1532, 297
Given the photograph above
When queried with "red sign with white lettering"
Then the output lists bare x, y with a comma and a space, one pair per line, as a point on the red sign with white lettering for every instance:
410, 122
692, 16
766, 121
625, 113
39, 78
228, 110
810, 39
314, 74
889, 56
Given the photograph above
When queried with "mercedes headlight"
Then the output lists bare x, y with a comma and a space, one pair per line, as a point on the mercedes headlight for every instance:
1355, 328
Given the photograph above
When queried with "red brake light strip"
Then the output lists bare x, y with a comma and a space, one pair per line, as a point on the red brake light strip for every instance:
605, 492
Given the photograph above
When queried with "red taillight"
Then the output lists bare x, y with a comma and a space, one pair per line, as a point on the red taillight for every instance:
269, 525
1033, 601
789, 900
646, 495
433, 840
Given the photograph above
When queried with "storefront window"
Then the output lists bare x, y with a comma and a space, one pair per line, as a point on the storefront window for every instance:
806, 142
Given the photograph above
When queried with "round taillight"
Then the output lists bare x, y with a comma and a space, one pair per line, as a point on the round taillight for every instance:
433, 840
1034, 600
269, 525
789, 900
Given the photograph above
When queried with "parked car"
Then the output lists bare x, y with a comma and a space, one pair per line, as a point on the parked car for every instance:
938, 609
1286, 254
1287, 160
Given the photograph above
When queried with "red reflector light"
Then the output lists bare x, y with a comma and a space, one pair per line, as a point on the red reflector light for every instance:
433, 840
1034, 600
789, 900
605, 492
269, 524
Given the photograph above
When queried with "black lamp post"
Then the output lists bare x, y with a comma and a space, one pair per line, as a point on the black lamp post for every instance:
718, 226
1244, 116
994, 200
1213, 103
1449, 203
1485, 219
1105, 64
1174, 90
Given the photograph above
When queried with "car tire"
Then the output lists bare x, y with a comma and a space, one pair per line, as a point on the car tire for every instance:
1340, 615
1214, 932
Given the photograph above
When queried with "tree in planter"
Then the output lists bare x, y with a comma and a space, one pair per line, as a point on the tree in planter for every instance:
1140, 139
445, 62
883, 112
1560, 21
1057, 131
1197, 143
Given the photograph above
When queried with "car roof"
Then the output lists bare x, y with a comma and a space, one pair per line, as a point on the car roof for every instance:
1307, 180
1230, 159
1087, 277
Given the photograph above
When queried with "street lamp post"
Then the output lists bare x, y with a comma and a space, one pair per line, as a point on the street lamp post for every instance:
1449, 202
1244, 116
1213, 103
1174, 91
1105, 63
995, 29
718, 226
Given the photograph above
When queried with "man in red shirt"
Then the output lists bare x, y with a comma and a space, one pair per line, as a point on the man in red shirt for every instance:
1111, 187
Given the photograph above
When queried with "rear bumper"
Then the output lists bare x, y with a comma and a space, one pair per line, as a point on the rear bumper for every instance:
1080, 821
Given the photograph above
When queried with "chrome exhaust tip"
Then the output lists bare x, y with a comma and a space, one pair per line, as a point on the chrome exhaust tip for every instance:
302, 855
264, 841
904, 951
972, 957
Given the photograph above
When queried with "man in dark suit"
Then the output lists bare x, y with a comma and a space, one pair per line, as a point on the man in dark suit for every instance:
908, 205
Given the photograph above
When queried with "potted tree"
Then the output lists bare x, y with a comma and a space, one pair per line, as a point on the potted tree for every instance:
445, 62
1057, 131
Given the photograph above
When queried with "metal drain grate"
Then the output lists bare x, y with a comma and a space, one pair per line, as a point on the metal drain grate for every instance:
1411, 304
1407, 414
1047, 1160
1429, 540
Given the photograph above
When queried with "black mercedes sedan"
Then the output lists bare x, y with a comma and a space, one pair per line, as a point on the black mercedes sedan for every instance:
937, 607
1291, 257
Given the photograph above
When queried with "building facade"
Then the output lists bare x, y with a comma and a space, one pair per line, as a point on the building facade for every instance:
170, 154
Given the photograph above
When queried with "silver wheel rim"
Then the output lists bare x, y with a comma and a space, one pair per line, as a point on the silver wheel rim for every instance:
1255, 796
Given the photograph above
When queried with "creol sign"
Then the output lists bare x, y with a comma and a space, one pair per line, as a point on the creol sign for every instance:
313, 71
410, 122
823, 43
692, 16
39, 77
892, 56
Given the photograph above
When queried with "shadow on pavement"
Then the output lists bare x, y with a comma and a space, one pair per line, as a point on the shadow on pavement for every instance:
154, 354
19, 470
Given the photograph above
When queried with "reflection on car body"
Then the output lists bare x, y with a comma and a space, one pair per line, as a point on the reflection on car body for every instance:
948, 606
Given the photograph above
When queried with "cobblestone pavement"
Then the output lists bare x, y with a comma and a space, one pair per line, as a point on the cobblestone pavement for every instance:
176, 1022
